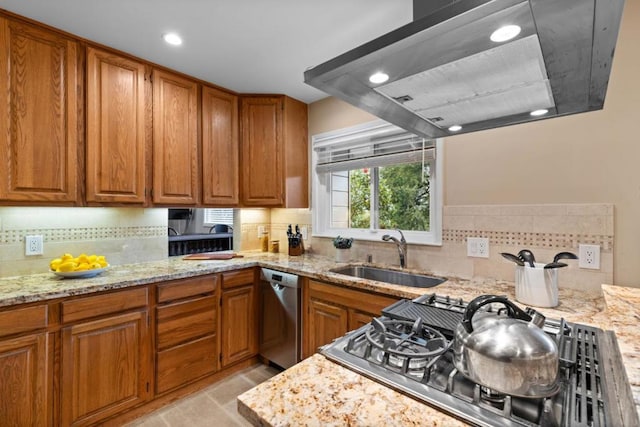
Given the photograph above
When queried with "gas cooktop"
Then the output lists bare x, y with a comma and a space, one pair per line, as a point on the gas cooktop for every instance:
409, 349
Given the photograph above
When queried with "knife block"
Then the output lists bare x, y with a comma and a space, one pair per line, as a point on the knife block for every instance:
296, 246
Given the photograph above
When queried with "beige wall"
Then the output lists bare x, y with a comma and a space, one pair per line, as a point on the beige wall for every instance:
586, 158
123, 235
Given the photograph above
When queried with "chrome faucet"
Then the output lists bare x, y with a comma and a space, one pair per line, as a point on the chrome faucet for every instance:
402, 247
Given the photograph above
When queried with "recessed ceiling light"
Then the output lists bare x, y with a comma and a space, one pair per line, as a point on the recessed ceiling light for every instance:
455, 128
505, 33
540, 112
378, 77
172, 38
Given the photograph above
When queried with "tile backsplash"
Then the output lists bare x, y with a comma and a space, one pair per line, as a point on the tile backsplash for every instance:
127, 235
544, 229
123, 235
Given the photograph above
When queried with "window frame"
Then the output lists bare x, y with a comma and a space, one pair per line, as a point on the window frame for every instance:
321, 197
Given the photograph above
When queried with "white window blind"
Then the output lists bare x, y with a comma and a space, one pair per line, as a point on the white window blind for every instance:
379, 145
218, 216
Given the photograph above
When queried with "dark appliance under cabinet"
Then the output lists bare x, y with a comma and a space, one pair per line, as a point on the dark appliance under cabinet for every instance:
199, 243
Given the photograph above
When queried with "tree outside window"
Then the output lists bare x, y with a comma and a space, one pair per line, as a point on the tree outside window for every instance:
402, 194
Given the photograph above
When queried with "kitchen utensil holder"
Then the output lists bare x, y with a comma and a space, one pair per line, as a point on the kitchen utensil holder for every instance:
343, 255
296, 246
537, 286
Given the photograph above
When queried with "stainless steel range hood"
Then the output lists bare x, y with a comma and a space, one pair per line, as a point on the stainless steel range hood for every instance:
444, 70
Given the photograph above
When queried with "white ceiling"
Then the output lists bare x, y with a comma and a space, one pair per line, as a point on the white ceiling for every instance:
248, 46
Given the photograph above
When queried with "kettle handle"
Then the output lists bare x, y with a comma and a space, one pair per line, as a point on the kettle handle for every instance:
513, 310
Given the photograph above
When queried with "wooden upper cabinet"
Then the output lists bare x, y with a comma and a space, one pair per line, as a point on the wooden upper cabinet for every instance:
38, 115
220, 148
262, 144
296, 153
175, 140
274, 152
116, 129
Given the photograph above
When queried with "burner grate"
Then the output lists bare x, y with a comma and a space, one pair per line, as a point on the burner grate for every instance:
586, 401
442, 319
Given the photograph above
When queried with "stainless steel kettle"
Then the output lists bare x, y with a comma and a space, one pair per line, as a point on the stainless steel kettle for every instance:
510, 355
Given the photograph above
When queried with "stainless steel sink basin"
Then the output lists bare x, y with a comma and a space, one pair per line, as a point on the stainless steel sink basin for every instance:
390, 276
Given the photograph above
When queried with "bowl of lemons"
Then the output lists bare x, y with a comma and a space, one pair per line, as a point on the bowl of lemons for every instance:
82, 266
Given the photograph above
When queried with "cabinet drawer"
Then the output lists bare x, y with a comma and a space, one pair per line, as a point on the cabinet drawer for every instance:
187, 362
234, 279
115, 302
185, 321
361, 300
186, 288
23, 320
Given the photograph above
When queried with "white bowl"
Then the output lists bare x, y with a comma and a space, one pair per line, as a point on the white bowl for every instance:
80, 274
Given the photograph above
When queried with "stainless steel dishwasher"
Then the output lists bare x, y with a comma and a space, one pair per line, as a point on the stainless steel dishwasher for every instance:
280, 302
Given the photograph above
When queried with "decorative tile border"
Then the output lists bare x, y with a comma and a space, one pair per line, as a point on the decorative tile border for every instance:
84, 233
531, 239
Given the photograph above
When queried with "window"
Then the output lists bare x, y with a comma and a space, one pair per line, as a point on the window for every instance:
371, 178
218, 216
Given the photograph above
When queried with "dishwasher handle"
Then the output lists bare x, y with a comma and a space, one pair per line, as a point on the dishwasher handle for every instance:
277, 287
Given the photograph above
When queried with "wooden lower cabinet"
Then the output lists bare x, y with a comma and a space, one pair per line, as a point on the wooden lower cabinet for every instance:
187, 362
239, 316
105, 367
326, 322
26, 367
25, 371
186, 332
330, 311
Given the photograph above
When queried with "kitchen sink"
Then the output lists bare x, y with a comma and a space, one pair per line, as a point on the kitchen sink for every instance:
394, 277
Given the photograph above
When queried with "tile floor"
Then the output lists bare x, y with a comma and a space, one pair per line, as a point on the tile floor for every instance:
214, 405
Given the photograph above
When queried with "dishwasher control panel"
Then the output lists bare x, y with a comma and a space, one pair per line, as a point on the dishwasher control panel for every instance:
285, 279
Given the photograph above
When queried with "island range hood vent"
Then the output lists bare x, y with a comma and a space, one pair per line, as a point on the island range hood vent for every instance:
444, 74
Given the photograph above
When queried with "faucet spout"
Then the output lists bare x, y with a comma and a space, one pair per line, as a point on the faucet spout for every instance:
401, 244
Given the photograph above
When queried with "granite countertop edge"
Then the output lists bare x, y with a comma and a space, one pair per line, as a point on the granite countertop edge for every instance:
614, 308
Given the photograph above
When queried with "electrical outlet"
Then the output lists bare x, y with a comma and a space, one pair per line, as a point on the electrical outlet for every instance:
303, 231
260, 230
33, 245
478, 247
589, 256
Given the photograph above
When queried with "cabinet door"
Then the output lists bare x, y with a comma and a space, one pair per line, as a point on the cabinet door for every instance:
360, 318
326, 322
116, 131
239, 324
175, 139
105, 367
262, 165
38, 115
25, 368
220, 148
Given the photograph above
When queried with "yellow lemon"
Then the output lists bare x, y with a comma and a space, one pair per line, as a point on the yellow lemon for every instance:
83, 259
93, 258
95, 265
53, 265
67, 266
66, 257
81, 267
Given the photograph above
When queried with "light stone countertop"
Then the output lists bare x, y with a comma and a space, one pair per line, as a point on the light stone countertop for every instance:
616, 308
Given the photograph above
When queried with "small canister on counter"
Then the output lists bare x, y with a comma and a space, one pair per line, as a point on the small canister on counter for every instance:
274, 246
264, 242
